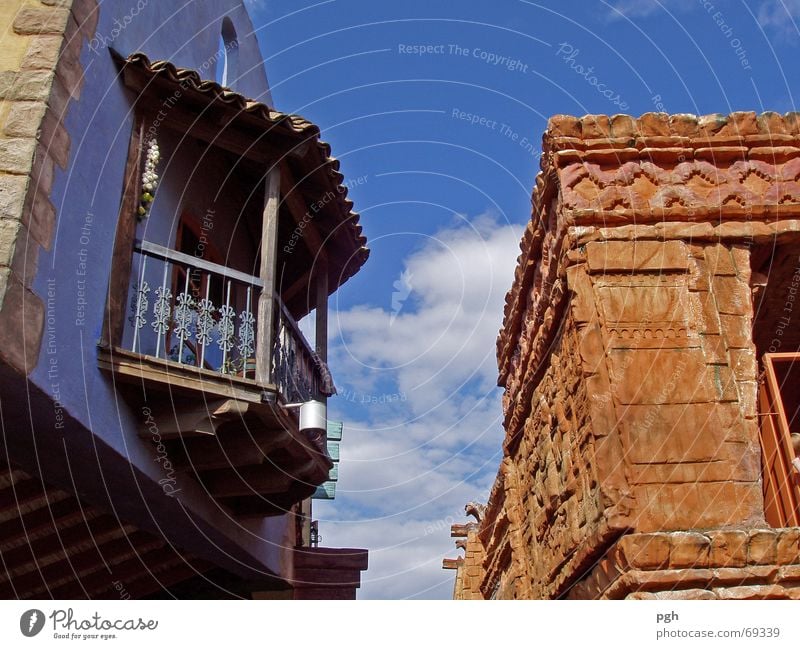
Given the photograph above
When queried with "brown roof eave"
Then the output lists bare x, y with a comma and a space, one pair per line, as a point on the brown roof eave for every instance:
293, 136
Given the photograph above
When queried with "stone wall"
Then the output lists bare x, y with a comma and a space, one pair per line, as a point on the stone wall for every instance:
713, 564
40, 73
627, 358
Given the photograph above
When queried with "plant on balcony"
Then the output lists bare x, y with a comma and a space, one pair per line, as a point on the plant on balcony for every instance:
149, 179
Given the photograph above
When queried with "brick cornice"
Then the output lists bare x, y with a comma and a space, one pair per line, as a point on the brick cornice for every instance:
734, 177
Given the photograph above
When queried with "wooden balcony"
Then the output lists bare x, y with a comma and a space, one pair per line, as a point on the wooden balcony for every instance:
779, 404
197, 315
210, 379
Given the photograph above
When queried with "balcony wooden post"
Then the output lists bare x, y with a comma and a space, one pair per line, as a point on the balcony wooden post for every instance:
269, 258
321, 333
122, 259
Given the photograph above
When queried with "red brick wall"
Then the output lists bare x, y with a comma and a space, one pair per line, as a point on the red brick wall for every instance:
628, 363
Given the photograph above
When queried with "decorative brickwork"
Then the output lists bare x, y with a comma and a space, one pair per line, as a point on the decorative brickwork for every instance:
40, 73
629, 366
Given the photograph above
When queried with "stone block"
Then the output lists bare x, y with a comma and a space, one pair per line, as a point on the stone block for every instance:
788, 546
706, 308
719, 260
689, 550
682, 472
660, 580
696, 506
643, 305
24, 119
592, 348
27, 85
744, 364
16, 154
732, 296
43, 52
645, 551
714, 349
751, 592
564, 126
789, 575
762, 547
736, 331
674, 432
654, 124
621, 256
744, 576
32, 20
583, 301
689, 593
12, 195
659, 376
9, 230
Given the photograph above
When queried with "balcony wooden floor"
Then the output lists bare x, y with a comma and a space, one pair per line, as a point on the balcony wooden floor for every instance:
246, 451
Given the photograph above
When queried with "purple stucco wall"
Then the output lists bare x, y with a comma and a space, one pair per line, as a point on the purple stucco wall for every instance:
87, 197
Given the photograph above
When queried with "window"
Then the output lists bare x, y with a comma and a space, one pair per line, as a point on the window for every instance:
228, 59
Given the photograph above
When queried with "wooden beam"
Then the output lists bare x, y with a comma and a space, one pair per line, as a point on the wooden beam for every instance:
452, 564
321, 334
94, 559
122, 256
300, 449
246, 481
149, 584
302, 215
253, 506
269, 258
230, 450
33, 522
61, 540
192, 419
302, 282
121, 567
174, 379
21, 493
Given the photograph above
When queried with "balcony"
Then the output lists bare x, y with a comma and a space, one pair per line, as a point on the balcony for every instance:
202, 318
779, 405
215, 379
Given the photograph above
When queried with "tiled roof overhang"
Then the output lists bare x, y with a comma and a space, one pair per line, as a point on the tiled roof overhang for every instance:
292, 136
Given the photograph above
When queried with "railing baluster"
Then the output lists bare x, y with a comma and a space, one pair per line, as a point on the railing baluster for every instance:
226, 329
205, 322
141, 305
183, 316
161, 309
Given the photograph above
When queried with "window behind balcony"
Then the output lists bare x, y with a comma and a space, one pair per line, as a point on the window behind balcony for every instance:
779, 402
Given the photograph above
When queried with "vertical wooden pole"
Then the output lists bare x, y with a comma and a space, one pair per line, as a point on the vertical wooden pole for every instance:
269, 260
321, 333
122, 260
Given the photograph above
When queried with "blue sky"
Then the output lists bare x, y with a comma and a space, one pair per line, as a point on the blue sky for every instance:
436, 110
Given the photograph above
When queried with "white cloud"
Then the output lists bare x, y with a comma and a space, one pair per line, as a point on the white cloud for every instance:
644, 8
780, 16
423, 421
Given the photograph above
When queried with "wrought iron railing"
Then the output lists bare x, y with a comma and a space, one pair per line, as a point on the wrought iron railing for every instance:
781, 482
198, 313
298, 371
